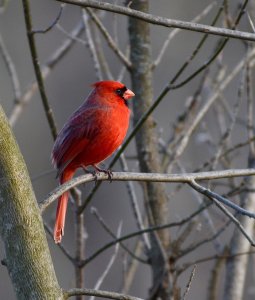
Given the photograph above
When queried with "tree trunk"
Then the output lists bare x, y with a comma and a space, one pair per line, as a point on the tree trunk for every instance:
146, 144
28, 258
236, 267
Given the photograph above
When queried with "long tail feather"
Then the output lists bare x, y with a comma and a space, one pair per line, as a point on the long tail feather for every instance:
61, 209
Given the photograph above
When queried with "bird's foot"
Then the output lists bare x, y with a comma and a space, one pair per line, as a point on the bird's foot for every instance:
108, 172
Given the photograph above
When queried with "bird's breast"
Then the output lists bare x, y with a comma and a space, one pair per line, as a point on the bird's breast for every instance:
112, 125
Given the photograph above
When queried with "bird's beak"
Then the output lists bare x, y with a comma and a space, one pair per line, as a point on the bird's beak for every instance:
128, 94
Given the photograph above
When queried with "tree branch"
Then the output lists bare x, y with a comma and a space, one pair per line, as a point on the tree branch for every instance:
11, 69
37, 69
109, 39
27, 254
140, 232
154, 177
165, 22
55, 58
98, 293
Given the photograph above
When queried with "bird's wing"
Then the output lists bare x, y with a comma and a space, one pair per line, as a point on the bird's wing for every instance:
74, 137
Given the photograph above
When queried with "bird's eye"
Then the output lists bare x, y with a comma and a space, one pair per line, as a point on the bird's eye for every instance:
119, 92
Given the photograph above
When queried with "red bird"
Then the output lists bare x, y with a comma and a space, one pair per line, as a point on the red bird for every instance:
92, 133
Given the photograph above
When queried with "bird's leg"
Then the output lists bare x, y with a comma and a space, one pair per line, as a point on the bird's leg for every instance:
108, 172
86, 170
94, 173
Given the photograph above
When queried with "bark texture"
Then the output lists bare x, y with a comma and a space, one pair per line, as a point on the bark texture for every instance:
236, 267
28, 258
146, 143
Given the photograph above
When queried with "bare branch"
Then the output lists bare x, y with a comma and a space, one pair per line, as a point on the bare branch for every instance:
200, 115
213, 257
130, 271
98, 293
37, 69
91, 45
62, 248
215, 277
53, 24
11, 69
189, 282
234, 115
173, 33
109, 265
55, 58
134, 202
198, 244
157, 20
109, 39
80, 240
221, 199
154, 177
140, 232
104, 225
218, 200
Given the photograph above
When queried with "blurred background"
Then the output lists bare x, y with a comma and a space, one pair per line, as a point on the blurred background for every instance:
67, 86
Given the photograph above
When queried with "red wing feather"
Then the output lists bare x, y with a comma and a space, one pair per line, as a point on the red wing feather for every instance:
74, 138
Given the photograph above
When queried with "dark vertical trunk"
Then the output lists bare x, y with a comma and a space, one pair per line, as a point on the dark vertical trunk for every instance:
146, 143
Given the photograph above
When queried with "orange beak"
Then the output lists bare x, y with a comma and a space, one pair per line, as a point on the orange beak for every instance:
128, 94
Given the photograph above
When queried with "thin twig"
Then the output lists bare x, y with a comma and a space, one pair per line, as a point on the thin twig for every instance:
214, 281
109, 265
134, 202
109, 39
98, 293
91, 45
174, 32
62, 248
80, 241
130, 271
221, 199
146, 230
234, 115
11, 69
189, 282
102, 222
218, 200
206, 217
250, 108
200, 115
185, 266
53, 24
101, 55
37, 69
196, 245
53, 60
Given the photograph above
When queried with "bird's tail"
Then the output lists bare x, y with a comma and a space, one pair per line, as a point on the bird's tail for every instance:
62, 206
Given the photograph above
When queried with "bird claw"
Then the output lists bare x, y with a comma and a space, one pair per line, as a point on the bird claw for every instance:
95, 174
108, 172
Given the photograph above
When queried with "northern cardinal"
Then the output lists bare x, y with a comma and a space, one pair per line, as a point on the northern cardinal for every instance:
91, 134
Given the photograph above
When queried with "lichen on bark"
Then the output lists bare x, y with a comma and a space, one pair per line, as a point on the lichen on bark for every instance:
27, 254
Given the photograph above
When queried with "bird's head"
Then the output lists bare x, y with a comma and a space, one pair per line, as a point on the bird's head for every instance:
113, 90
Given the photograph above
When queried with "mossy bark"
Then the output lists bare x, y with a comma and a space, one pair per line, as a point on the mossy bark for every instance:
28, 258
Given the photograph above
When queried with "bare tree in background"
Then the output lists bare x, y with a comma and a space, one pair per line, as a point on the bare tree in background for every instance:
205, 159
